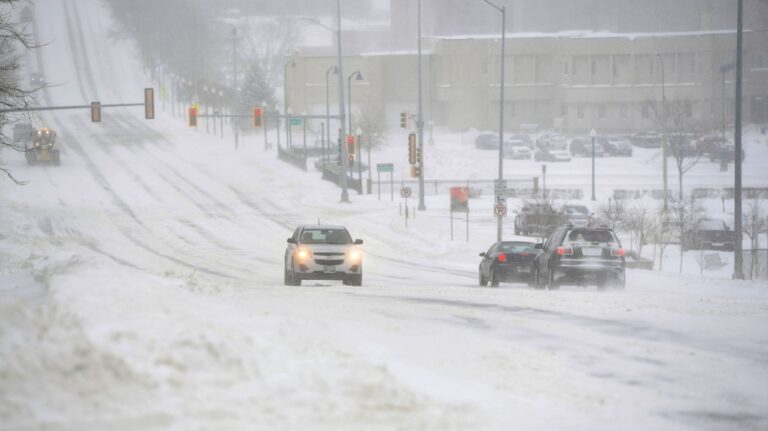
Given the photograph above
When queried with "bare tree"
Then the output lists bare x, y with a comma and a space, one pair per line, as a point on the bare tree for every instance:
13, 96
660, 234
268, 43
686, 220
754, 223
640, 221
675, 119
614, 214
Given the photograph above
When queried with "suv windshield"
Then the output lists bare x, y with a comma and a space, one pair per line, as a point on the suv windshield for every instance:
590, 236
325, 236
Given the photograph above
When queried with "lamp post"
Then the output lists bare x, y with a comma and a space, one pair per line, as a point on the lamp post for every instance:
593, 135
738, 257
664, 143
332, 69
358, 140
290, 63
503, 11
358, 77
234, 80
221, 108
205, 96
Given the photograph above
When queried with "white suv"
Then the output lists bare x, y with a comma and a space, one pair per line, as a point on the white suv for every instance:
323, 252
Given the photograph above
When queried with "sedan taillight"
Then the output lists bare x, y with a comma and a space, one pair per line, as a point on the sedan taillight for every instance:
617, 252
564, 251
502, 257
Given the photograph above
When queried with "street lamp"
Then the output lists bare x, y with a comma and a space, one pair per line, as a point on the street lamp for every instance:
292, 64
205, 96
593, 134
503, 11
358, 77
420, 118
335, 70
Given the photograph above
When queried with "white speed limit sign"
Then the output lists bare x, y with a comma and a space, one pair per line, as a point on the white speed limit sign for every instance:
500, 210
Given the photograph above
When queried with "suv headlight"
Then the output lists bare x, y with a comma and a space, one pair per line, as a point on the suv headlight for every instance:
354, 256
303, 254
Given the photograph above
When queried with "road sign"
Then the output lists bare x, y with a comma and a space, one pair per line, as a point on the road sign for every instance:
385, 167
405, 192
294, 121
500, 210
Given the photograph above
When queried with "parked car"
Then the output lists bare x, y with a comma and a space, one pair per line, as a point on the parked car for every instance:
711, 234
582, 147
525, 139
516, 149
554, 150
581, 256
506, 262
682, 144
615, 147
577, 215
646, 140
707, 145
537, 220
323, 252
487, 141
725, 154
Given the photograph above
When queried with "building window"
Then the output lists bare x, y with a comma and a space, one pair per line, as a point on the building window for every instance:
564, 110
601, 112
622, 111
644, 112
484, 68
566, 70
688, 108
580, 112
511, 108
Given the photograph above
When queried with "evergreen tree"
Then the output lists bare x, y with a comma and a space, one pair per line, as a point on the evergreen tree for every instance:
256, 91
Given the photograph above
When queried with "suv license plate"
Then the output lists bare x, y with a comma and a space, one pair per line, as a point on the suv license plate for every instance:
329, 269
592, 251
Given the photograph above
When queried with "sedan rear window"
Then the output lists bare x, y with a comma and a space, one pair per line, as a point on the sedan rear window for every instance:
516, 247
325, 236
590, 236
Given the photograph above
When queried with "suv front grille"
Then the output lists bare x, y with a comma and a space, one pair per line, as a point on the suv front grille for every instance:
329, 261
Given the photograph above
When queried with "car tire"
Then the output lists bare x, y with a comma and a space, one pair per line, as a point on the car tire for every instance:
551, 285
287, 277
354, 280
482, 281
493, 278
295, 278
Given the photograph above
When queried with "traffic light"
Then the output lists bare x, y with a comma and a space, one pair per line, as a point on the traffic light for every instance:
404, 120
192, 116
412, 148
96, 112
149, 103
415, 171
351, 144
258, 117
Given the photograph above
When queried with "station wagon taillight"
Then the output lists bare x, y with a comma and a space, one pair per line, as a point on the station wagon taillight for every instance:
617, 252
502, 257
564, 251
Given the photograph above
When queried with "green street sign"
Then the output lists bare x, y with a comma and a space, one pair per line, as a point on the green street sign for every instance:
385, 167
294, 121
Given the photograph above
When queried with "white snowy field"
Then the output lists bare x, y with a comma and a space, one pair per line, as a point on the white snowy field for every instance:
141, 288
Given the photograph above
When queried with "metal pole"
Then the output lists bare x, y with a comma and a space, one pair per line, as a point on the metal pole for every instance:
266, 136
723, 71
322, 132
501, 110
349, 100
359, 161
234, 87
420, 121
328, 109
285, 103
664, 143
738, 257
593, 168
344, 191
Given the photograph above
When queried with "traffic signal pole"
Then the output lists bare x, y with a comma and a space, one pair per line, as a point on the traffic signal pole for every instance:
420, 122
738, 256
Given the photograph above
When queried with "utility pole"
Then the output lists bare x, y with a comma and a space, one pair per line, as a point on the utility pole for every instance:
234, 86
342, 133
738, 257
420, 120
664, 139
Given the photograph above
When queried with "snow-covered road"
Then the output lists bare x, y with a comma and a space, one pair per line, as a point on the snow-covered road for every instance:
141, 288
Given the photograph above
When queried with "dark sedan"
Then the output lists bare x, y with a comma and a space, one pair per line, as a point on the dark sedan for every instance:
508, 261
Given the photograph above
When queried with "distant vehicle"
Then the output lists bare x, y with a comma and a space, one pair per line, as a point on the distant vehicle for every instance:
537, 220
577, 215
36, 80
517, 149
646, 140
712, 234
507, 261
554, 150
725, 154
22, 131
323, 252
581, 256
582, 147
39, 147
526, 139
487, 141
26, 15
615, 147
708, 145
682, 144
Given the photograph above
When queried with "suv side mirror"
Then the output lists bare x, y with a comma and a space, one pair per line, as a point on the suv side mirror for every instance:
291, 241
539, 246
358, 241
482, 254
